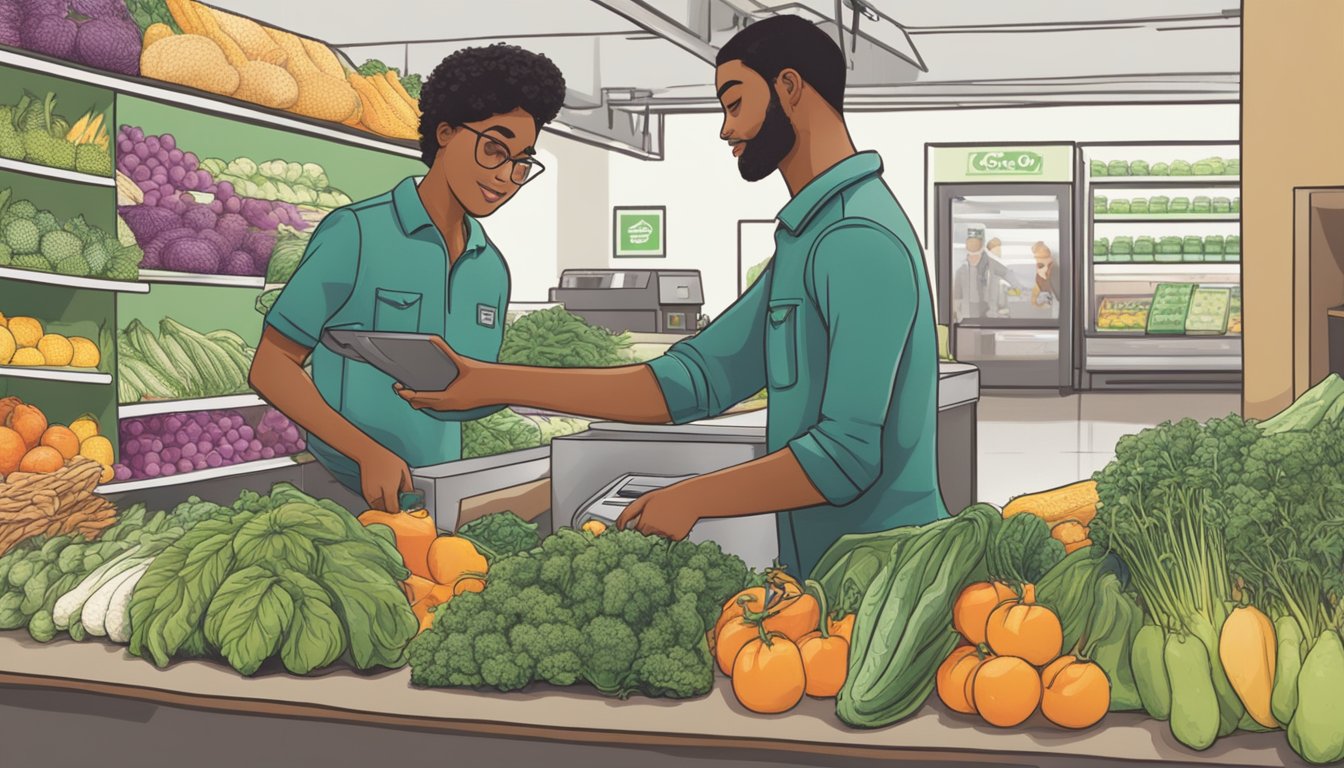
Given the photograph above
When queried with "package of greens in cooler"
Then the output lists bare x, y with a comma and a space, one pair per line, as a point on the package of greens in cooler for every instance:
1180, 168
1138, 205
1222, 205
1236, 205
1208, 311
1119, 206
1098, 168
1169, 249
1213, 166
1144, 248
1117, 168
1139, 168
1160, 169
1159, 204
1202, 204
1171, 304
1213, 248
1122, 249
1179, 205
1234, 312
1118, 314
1233, 168
1101, 248
1100, 204
1232, 245
1192, 249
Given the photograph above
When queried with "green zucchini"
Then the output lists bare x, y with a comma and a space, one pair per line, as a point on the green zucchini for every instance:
1288, 664
1147, 658
1195, 714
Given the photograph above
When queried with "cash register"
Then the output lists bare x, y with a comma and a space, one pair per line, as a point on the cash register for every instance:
656, 301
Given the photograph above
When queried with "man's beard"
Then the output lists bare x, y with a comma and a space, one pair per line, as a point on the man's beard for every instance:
773, 142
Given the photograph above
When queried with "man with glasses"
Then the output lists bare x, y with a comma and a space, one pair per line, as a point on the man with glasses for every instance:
415, 259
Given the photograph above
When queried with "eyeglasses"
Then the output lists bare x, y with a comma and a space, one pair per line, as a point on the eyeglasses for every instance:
491, 154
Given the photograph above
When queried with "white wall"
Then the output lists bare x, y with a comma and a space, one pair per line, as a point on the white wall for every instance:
705, 197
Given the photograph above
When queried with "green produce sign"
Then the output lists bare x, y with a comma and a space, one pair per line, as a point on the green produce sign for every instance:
640, 232
1004, 163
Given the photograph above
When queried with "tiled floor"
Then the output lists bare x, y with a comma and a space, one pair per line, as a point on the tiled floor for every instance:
1033, 442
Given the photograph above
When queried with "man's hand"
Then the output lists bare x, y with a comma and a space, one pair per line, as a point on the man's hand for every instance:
383, 475
463, 394
664, 512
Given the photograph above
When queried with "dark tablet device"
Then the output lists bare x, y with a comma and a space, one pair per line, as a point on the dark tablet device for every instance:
412, 359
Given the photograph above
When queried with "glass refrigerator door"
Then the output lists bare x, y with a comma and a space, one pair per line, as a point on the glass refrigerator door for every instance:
1005, 281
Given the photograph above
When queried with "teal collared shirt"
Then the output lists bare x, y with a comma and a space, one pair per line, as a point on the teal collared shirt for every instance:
840, 329
382, 265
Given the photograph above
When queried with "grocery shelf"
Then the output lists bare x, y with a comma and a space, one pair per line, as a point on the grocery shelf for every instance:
88, 283
1148, 218
155, 407
1165, 181
245, 468
191, 99
56, 374
33, 169
1162, 272
189, 278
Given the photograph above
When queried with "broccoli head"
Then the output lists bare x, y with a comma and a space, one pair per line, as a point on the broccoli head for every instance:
679, 673
609, 650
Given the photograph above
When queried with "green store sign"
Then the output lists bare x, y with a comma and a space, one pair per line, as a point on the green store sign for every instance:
1005, 163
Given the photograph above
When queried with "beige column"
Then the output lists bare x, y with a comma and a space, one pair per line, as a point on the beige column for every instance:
1292, 137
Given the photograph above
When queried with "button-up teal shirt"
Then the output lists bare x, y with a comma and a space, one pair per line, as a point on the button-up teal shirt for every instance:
382, 265
840, 329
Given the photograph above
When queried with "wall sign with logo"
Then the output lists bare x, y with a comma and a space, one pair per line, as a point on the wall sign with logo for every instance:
1001, 163
639, 233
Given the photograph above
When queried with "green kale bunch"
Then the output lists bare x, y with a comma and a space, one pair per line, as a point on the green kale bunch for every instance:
1023, 551
501, 534
623, 612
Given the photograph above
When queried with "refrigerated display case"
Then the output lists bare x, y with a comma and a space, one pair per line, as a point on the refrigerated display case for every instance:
1010, 308
1159, 215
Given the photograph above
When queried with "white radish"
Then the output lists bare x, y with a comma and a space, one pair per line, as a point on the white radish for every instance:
94, 614
118, 623
71, 604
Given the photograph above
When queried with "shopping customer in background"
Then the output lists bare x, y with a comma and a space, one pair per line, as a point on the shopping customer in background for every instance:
839, 328
975, 285
414, 259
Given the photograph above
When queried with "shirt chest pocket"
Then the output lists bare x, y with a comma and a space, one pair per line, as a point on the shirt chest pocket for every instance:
781, 344
396, 311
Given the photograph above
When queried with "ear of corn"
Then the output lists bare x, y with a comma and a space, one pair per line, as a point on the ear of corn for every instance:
322, 57
1077, 501
156, 32
400, 90
210, 28
250, 36
377, 115
184, 13
399, 108
77, 130
296, 58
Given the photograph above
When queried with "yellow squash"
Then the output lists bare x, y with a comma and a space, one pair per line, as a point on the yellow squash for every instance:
1077, 502
1248, 649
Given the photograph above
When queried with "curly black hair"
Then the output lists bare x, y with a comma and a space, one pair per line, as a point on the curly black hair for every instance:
475, 83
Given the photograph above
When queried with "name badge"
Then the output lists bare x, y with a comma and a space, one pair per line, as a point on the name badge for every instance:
485, 315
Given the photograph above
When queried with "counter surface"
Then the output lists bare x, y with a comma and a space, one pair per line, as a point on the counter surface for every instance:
578, 716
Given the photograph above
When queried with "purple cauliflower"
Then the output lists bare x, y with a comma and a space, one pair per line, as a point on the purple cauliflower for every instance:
147, 221
259, 245
154, 250
11, 23
191, 254
233, 227
238, 263
49, 34
110, 44
199, 217
217, 241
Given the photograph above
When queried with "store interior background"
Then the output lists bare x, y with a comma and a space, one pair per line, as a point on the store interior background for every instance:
1040, 71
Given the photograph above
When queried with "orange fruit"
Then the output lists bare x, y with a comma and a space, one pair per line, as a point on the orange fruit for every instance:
62, 439
27, 331
86, 353
28, 357
11, 450
29, 422
42, 459
56, 350
84, 428
98, 448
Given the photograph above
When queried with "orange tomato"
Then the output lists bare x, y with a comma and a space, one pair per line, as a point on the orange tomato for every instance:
768, 675
825, 664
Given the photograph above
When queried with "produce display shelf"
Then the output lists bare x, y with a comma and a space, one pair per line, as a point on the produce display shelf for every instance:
187, 98
1148, 218
152, 408
87, 283
56, 374
201, 475
188, 278
1165, 181
1164, 363
33, 169
1165, 269
715, 725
